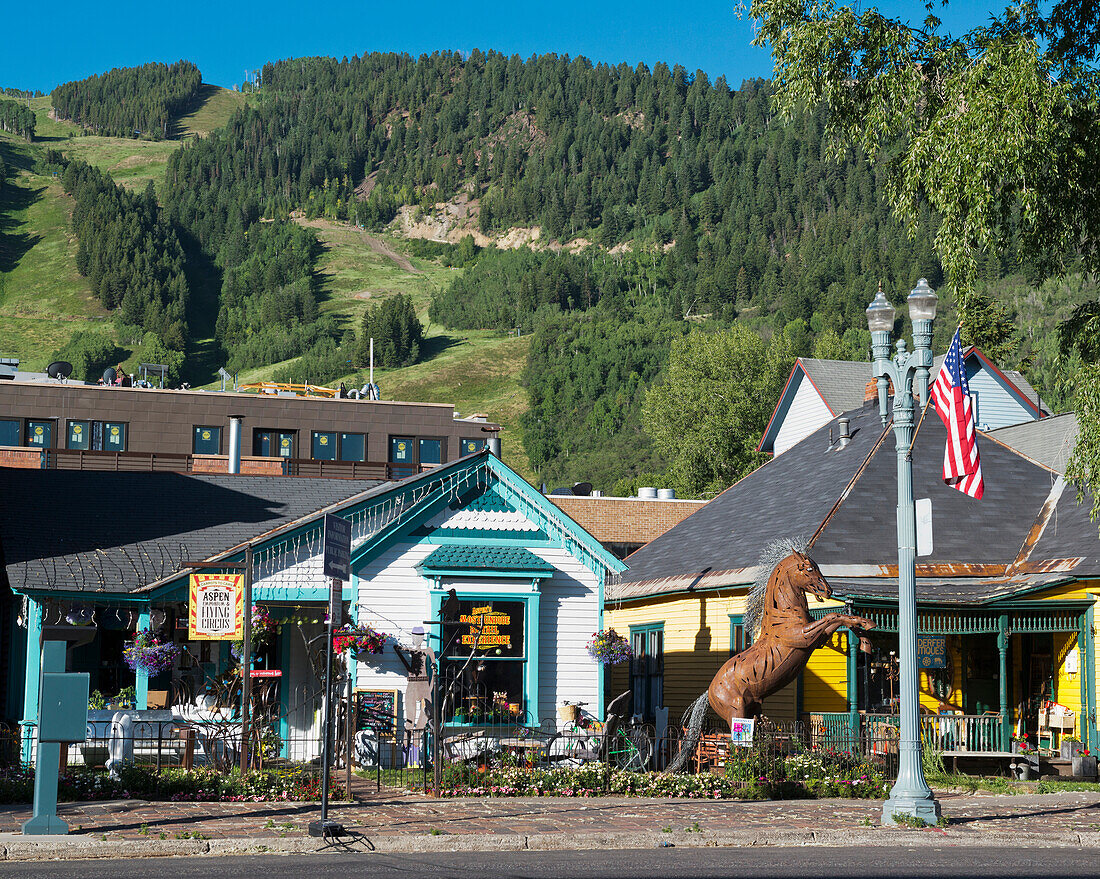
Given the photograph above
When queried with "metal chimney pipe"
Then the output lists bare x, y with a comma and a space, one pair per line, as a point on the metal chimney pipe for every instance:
494, 444
845, 433
235, 443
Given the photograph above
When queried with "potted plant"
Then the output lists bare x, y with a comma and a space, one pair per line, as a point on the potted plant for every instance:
362, 641
149, 654
1084, 765
1022, 745
608, 647
1070, 747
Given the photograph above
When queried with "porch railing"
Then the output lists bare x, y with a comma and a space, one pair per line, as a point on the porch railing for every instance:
977, 733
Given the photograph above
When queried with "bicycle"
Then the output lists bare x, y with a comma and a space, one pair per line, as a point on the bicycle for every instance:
582, 738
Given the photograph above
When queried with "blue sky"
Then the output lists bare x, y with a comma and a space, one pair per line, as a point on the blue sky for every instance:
49, 44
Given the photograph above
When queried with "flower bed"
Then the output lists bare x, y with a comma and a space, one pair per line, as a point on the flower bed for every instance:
293, 784
747, 776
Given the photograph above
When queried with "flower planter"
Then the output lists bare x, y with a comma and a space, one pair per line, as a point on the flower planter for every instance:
1070, 749
1084, 766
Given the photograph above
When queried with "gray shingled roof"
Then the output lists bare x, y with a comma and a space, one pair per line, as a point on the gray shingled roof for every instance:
795, 493
114, 532
1048, 441
840, 382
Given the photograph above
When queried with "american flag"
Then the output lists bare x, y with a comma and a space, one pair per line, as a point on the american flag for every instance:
962, 469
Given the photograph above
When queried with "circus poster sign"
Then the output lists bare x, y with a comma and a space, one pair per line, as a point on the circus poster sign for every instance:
216, 607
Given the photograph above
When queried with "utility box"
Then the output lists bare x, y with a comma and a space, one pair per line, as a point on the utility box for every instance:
63, 707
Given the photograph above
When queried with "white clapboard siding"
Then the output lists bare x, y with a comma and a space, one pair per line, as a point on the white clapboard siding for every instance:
568, 615
806, 414
303, 694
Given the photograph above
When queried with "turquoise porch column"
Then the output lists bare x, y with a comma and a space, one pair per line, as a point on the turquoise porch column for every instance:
141, 686
33, 665
853, 688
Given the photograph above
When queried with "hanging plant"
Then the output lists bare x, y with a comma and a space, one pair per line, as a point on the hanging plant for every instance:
263, 627
609, 647
361, 641
148, 654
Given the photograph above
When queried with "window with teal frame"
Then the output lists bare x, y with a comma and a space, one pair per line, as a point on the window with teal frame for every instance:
739, 636
647, 669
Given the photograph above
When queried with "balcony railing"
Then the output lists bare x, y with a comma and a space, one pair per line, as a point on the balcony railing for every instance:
975, 733
168, 462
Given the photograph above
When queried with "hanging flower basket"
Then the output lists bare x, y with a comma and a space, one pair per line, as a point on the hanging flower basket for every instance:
263, 627
363, 641
148, 654
609, 647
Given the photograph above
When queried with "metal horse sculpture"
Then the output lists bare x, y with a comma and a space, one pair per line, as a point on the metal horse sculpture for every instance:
785, 636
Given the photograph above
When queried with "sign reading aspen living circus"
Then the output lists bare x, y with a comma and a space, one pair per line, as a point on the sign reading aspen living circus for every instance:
216, 607
489, 628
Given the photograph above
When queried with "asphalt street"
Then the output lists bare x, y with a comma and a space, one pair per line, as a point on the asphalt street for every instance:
666, 863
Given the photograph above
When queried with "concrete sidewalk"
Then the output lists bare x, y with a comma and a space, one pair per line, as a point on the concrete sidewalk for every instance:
402, 822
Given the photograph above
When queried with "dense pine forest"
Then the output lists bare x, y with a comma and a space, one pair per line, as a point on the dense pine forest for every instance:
658, 202
17, 118
131, 101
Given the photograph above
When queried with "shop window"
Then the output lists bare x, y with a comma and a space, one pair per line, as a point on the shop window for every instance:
469, 446
647, 669
324, 446
431, 451
739, 637
79, 435
490, 687
10, 430
353, 447
40, 433
401, 454
273, 443
207, 440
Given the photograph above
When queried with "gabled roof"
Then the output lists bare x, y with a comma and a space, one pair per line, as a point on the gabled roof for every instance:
847, 496
1048, 441
839, 383
115, 532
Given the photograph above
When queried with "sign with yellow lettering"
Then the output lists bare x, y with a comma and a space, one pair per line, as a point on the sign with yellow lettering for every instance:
932, 651
488, 628
216, 607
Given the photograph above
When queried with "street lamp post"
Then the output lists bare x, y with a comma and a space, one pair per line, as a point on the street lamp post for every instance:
911, 794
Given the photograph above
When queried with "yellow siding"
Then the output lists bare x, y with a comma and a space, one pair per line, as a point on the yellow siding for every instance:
1068, 687
825, 681
697, 643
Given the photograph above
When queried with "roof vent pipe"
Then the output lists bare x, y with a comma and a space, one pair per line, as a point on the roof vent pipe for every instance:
494, 444
666, 494
845, 433
235, 443
647, 494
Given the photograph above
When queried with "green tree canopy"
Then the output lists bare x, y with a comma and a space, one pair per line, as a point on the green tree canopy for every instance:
709, 412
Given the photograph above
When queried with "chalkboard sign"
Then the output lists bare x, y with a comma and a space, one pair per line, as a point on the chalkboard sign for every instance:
376, 710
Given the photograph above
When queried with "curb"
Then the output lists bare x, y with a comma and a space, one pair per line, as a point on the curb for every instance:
51, 848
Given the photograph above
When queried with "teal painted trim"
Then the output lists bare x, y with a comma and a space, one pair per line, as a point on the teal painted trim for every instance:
141, 685
533, 654
1090, 676
1002, 684
17, 659
284, 691
602, 671
552, 515
852, 684
395, 532
33, 666
100, 599
482, 535
737, 619
495, 573
645, 629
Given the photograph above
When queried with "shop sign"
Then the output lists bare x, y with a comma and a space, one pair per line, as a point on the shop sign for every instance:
489, 628
216, 607
932, 651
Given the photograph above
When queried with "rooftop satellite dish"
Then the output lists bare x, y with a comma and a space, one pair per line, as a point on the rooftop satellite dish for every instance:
59, 369
109, 375
582, 489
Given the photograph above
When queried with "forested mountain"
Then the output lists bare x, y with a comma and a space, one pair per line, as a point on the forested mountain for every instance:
130, 101
128, 250
658, 201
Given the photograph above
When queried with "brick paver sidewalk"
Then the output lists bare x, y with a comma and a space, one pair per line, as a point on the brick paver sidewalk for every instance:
403, 814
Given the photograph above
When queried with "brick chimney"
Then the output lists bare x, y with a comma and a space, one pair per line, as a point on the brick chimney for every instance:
870, 390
